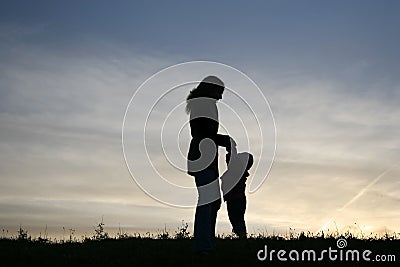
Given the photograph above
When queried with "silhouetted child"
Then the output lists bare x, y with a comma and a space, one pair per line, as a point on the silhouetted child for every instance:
233, 188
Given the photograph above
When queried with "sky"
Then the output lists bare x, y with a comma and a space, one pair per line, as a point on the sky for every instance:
329, 70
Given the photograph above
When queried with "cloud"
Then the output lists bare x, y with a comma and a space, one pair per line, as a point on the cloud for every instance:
62, 117
320, 120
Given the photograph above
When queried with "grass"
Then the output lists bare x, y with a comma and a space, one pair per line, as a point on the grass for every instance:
166, 249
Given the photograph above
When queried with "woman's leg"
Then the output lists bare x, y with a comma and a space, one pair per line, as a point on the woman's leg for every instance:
202, 229
215, 206
206, 211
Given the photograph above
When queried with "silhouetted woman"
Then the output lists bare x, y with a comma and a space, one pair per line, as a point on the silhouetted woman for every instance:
203, 158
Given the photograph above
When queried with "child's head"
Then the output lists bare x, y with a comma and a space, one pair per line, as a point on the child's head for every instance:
246, 157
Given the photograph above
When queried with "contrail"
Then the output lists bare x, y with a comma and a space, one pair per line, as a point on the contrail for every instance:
362, 191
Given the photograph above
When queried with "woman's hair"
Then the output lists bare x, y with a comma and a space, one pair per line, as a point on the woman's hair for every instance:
206, 88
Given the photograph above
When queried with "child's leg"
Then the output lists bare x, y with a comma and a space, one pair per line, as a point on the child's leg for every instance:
241, 224
236, 210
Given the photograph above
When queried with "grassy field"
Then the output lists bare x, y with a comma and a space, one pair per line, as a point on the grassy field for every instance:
176, 250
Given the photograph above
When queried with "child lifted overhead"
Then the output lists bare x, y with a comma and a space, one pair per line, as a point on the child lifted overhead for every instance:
233, 189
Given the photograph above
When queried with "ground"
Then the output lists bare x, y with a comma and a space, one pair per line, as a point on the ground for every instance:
140, 251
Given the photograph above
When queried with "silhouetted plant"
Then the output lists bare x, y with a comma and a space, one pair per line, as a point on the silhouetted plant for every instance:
5, 234
23, 234
182, 232
122, 234
164, 234
71, 235
43, 239
99, 233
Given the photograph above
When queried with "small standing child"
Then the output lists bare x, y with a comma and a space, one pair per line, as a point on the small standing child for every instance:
233, 189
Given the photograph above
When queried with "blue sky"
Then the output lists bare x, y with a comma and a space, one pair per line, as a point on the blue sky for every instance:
330, 70
314, 30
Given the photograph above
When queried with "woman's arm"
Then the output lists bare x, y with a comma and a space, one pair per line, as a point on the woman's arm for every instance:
225, 141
